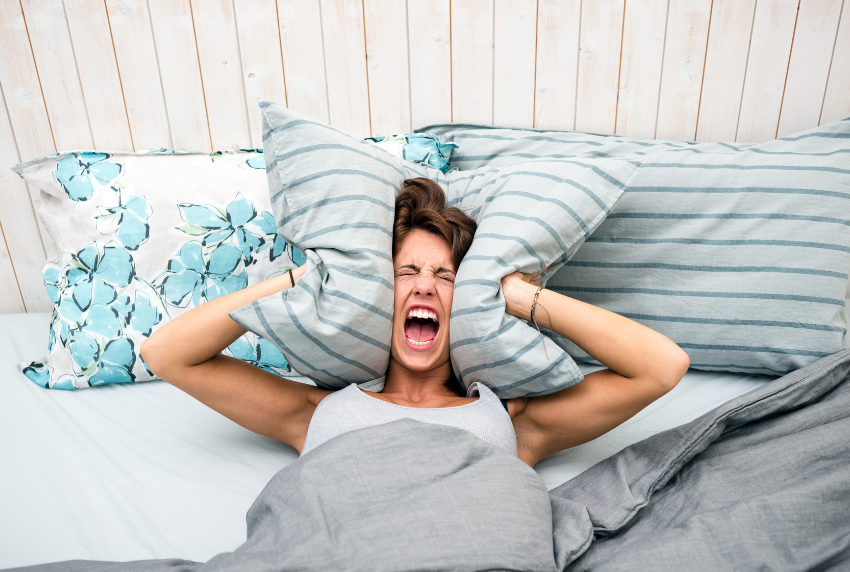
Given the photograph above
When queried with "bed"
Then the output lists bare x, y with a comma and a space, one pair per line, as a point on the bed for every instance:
131, 472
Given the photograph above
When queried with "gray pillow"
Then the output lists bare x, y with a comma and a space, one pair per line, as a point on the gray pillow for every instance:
334, 198
739, 253
530, 216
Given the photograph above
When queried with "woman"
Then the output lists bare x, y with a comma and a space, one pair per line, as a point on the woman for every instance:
429, 241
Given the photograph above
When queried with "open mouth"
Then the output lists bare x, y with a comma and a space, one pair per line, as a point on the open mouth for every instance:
421, 327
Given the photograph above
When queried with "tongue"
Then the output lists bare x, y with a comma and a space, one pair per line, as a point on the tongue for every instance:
420, 330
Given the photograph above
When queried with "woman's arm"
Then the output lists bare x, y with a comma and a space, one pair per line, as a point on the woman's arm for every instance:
186, 353
642, 366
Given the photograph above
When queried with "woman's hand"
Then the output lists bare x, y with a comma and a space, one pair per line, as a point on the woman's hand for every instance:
297, 273
519, 290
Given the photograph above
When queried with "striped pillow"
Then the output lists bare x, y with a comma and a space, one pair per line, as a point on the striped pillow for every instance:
739, 253
333, 196
530, 216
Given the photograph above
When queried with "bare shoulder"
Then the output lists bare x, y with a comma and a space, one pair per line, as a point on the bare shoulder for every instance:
580, 413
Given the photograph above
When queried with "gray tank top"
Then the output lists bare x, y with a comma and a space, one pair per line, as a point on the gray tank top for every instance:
350, 408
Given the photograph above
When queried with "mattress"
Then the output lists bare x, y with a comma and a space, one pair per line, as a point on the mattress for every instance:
126, 472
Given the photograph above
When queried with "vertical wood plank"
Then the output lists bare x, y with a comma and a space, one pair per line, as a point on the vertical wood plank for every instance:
681, 75
814, 38
22, 257
472, 61
770, 48
218, 53
514, 54
725, 66
640, 68
387, 62
599, 65
24, 103
54, 56
429, 41
98, 70
136, 55
21, 86
836, 102
180, 72
262, 66
10, 294
345, 66
557, 63
300, 23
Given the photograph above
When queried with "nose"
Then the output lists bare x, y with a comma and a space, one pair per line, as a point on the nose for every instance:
425, 284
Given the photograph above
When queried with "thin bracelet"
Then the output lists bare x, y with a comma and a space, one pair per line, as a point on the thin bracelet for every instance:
534, 303
291, 279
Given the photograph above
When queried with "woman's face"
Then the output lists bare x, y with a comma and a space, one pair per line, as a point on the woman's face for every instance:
424, 285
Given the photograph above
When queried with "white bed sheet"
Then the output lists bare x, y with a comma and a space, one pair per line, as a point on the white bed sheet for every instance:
127, 472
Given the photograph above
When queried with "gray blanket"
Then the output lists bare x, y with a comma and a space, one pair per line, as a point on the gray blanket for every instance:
400, 496
760, 483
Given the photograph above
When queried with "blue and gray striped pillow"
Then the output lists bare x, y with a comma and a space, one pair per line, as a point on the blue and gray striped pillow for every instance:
334, 198
531, 215
739, 253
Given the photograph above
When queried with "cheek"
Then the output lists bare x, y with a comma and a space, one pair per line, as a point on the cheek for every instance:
447, 292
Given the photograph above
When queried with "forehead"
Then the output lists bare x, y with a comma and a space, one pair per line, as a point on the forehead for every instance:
422, 249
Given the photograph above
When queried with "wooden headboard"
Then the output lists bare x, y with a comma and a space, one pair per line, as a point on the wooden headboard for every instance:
142, 74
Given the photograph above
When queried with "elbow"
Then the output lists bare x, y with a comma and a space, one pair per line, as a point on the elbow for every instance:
676, 363
151, 353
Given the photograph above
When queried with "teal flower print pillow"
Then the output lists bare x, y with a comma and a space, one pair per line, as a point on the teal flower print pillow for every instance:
142, 238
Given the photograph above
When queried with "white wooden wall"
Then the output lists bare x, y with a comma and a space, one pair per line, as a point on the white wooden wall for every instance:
140, 74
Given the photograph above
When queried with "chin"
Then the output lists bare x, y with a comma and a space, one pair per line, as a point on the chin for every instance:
419, 358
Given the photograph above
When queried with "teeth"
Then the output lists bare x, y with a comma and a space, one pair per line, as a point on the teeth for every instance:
415, 343
423, 313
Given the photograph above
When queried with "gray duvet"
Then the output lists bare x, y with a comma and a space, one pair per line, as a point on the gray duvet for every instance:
760, 483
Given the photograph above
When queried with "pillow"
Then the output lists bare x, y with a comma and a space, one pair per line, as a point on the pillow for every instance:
142, 238
739, 253
422, 148
334, 198
531, 215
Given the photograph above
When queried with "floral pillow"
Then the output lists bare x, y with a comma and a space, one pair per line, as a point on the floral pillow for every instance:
142, 238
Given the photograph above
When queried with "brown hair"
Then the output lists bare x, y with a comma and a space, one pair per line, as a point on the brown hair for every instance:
422, 204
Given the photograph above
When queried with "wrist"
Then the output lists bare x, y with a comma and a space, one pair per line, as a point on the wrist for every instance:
519, 298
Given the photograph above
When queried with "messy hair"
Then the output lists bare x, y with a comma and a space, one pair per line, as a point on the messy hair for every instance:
422, 205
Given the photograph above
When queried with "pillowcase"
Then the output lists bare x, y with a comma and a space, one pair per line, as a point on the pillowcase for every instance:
531, 215
333, 197
422, 148
738, 253
142, 238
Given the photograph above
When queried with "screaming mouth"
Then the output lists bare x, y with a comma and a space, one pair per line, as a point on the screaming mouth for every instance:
421, 326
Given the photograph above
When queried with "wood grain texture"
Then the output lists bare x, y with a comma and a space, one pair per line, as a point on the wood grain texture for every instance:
136, 55
808, 70
262, 66
836, 102
472, 61
681, 76
221, 72
27, 113
599, 65
514, 53
770, 48
725, 67
98, 72
300, 23
21, 252
557, 63
429, 43
345, 66
54, 56
10, 294
387, 63
640, 68
180, 72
